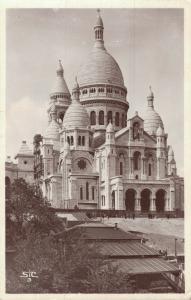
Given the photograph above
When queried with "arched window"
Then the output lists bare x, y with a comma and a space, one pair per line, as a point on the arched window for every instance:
101, 117
72, 140
121, 168
79, 140
92, 90
149, 169
87, 191
83, 140
109, 117
93, 118
81, 193
101, 90
117, 119
137, 156
68, 140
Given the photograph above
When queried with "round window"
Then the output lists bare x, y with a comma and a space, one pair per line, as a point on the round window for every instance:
81, 164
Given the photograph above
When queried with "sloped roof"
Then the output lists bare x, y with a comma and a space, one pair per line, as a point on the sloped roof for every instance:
145, 266
130, 248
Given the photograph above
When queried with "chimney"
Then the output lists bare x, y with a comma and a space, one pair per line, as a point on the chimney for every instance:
116, 227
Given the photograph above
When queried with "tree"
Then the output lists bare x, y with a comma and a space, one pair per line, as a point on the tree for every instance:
27, 210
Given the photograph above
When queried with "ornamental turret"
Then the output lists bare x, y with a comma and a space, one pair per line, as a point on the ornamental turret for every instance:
60, 95
76, 124
172, 171
152, 120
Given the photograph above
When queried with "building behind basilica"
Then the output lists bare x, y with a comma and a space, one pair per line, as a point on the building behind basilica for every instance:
92, 156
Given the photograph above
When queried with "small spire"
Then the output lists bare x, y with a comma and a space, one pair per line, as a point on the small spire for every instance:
60, 70
76, 90
150, 98
151, 92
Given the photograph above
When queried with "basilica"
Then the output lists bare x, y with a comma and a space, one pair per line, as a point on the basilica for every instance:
92, 156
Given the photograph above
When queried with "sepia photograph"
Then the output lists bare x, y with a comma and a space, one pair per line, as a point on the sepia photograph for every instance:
94, 170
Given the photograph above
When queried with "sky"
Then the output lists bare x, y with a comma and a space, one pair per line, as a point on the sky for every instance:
148, 45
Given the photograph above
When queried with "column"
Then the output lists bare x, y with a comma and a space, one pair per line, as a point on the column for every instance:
137, 204
131, 175
97, 117
153, 204
143, 175
167, 204
105, 119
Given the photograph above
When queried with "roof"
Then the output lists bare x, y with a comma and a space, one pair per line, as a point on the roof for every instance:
101, 232
24, 150
130, 248
100, 68
160, 131
134, 266
75, 216
52, 131
152, 121
76, 116
98, 140
60, 85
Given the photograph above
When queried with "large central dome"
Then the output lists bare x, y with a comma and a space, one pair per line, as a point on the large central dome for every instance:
100, 68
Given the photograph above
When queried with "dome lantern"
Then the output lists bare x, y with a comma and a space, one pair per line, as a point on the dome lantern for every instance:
150, 97
98, 29
76, 91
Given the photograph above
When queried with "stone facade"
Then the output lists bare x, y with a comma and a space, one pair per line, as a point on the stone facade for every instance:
92, 156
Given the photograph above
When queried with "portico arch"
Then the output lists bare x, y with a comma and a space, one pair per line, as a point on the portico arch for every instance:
130, 199
145, 200
113, 200
160, 200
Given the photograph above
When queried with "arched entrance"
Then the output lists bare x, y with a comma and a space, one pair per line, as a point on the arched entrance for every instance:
130, 200
145, 200
113, 200
160, 200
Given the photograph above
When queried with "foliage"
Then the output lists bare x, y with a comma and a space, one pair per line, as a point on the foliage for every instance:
26, 211
64, 262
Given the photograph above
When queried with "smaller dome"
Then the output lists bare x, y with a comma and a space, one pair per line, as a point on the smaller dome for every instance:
160, 131
110, 128
76, 115
152, 120
52, 131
